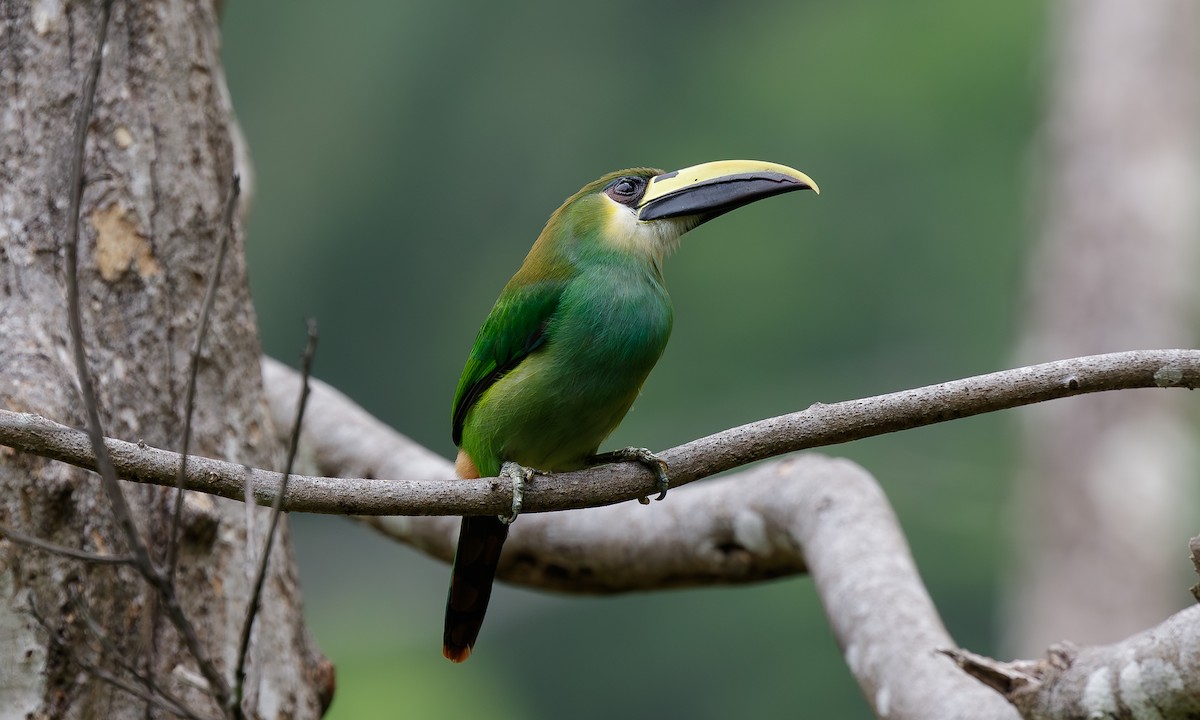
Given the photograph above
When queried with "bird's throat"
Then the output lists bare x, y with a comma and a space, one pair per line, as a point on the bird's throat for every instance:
650, 240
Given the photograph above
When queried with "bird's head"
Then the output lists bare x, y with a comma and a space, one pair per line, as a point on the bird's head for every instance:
644, 211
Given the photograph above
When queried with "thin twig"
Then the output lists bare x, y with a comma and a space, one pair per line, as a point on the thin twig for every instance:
76, 554
276, 513
103, 461
56, 640
1194, 552
434, 492
251, 521
109, 650
1003, 677
226, 235
138, 692
210, 295
74, 316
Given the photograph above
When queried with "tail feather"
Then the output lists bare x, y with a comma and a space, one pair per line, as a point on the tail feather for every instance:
479, 543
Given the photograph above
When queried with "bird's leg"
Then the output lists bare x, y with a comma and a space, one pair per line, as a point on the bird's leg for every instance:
645, 458
519, 475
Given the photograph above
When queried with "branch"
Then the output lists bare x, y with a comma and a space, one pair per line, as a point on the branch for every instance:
189, 403
144, 693
425, 491
877, 606
1155, 673
20, 538
239, 674
110, 654
710, 533
1194, 551
95, 432
754, 525
747, 528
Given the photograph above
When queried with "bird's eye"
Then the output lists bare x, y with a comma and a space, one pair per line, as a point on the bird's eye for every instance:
626, 190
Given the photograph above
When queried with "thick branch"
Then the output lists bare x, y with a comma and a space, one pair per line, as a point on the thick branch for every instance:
1155, 673
819, 425
753, 525
746, 527
719, 532
878, 608
732, 530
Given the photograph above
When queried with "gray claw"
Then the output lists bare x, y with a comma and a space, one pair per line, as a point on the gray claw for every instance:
647, 459
519, 475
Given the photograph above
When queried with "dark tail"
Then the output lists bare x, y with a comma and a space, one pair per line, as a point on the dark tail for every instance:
475, 561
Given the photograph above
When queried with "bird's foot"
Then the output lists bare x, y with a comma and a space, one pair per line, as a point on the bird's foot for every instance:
519, 475
646, 459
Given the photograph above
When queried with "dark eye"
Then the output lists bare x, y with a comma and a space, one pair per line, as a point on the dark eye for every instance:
626, 190
625, 186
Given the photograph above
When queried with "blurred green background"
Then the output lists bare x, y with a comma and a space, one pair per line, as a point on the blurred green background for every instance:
406, 156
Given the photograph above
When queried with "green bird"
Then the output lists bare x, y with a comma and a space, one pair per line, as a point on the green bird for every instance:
565, 350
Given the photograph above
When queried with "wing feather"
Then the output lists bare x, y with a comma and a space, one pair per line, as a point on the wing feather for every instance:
516, 327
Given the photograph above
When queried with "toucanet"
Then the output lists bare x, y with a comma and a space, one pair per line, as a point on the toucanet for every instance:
571, 339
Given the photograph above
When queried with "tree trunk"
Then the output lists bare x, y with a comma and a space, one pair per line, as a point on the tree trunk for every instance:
158, 166
1108, 485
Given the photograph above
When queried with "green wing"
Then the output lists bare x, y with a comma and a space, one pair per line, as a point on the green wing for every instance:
514, 329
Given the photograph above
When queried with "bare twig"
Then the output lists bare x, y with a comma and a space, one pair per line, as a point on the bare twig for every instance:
103, 463
1194, 552
210, 295
56, 640
102, 460
276, 512
150, 697
251, 521
113, 654
819, 425
73, 553
1002, 677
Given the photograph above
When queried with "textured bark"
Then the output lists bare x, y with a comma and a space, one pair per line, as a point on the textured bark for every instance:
807, 513
1108, 487
804, 514
1153, 674
416, 480
158, 166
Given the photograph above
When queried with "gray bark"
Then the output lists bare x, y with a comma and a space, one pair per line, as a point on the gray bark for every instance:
1153, 674
805, 514
158, 165
808, 513
417, 478
1108, 489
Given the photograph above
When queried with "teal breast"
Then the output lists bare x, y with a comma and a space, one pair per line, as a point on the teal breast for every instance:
553, 410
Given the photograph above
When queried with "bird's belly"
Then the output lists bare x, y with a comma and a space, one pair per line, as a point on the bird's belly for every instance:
553, 419
553, 410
